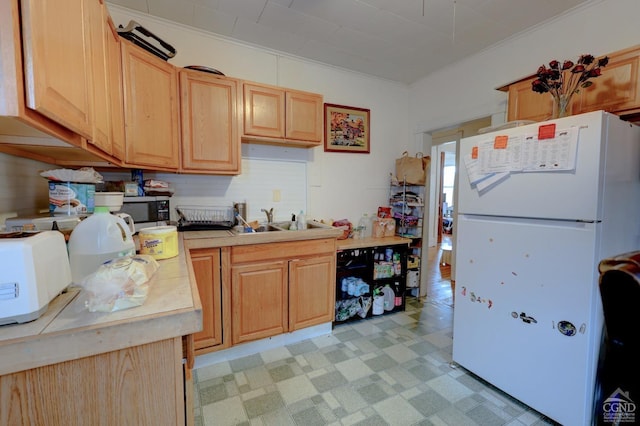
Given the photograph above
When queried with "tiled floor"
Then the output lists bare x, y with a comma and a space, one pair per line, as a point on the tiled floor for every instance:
388, 370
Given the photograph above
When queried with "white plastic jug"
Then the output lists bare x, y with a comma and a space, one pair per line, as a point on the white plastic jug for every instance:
100, 237
128, 220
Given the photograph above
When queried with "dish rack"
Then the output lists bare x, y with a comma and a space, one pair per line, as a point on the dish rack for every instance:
199, 218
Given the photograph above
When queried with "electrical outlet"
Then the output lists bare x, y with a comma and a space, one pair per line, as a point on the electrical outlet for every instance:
276, 195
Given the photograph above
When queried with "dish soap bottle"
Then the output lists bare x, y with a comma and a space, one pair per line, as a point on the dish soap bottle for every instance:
302, 221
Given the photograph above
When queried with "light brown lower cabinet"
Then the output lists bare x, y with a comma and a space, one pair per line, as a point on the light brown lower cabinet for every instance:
214, 296
259, 300
311, 302
257, 291
140, 385
281, 287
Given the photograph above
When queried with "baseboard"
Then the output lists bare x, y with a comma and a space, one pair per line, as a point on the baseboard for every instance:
252, 348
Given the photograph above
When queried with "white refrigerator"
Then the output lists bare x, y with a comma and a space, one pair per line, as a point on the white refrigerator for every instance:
528, 315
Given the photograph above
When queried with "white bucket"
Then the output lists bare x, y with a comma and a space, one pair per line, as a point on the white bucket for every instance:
97, 239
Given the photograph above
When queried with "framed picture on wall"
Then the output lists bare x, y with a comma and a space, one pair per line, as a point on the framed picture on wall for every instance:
346, 129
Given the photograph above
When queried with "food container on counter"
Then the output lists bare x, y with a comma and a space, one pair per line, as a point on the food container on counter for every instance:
160, 242
71, 198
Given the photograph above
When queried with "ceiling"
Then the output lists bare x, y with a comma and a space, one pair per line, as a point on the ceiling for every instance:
400, 40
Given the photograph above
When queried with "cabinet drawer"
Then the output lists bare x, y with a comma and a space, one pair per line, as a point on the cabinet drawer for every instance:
289, 249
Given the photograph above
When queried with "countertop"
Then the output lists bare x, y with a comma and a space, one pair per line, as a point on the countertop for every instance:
212, 239
67, 330
355, 243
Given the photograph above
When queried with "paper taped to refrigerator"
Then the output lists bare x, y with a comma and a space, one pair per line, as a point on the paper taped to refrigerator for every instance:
493, 160
554, 154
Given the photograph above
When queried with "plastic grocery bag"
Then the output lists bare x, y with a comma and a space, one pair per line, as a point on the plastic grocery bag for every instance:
82, 175
120, 283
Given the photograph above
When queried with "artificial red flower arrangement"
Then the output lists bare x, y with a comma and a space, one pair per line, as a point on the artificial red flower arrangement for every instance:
563, 81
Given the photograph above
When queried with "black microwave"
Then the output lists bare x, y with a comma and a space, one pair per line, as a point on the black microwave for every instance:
147, 211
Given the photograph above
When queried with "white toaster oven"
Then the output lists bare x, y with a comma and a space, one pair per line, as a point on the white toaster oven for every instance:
34, 269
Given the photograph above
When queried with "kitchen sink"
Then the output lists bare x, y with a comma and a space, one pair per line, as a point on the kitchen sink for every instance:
310, 225
262, 229
283, 226
267, 228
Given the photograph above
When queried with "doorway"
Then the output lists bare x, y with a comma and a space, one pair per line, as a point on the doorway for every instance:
446, 189
441, 203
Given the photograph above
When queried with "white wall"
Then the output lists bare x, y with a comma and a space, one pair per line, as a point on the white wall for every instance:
338, 185
23, 190
466, 90
260, 177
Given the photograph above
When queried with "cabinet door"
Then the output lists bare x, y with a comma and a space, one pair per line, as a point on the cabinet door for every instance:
57, 64
264, 111
116, 100
206, 267
617, 89
259, 300
98, 28
311, 291
210, 137
151, 109
304, 116
144, 382
525, 104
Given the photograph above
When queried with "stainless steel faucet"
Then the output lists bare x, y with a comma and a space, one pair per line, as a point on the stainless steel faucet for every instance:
269, 214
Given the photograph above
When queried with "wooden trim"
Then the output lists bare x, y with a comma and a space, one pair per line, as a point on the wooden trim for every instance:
10, 59
279, 141
225, 276
441, 187
351, 243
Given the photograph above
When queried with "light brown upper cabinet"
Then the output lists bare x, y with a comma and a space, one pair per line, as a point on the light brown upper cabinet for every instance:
210, 107
106, 85
151, 108
274, 115
57, 64
116, 99
47, 82
525, 104
615, 91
